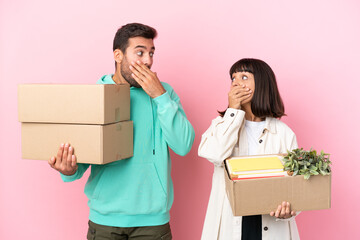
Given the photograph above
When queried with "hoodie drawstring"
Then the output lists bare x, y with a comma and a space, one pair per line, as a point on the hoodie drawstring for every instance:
152, 126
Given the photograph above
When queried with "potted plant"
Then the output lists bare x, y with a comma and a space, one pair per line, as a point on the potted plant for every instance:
307, 163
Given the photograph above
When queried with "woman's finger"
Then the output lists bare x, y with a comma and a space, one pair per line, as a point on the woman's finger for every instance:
288, 210
243, 97
239, 92
277, 213
283, 209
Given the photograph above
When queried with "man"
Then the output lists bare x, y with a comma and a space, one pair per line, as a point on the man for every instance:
131, 198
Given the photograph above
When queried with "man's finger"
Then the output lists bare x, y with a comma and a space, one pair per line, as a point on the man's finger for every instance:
144, 68
73, 161
65, 153
138, 74
140, 69
52, 162
69, 157
137, 79
59, 155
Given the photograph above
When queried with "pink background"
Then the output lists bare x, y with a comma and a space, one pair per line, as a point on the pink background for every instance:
312, 46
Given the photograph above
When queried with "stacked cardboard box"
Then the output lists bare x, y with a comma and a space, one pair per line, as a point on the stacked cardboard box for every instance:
263, 195
94, 119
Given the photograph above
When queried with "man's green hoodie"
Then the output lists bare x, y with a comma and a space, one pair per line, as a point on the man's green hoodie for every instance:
138, 191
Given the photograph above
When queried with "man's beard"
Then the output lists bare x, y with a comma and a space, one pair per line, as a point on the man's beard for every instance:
126, 74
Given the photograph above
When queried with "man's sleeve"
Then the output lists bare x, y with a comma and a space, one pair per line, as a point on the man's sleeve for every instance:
77, 175
177, 130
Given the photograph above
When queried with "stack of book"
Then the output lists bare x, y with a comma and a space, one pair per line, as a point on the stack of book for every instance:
251, 167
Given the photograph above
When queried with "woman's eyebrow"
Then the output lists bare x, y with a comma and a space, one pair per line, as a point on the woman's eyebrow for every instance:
246, 70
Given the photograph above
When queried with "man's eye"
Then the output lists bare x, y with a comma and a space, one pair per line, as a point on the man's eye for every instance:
139, 53
233, 79
244, 77
151, 54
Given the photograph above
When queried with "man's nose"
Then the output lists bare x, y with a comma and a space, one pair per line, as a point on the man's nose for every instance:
147, 60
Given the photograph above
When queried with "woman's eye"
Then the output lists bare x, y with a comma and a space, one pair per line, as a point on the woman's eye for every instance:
233, 79
139, 53
244, 77
151, 54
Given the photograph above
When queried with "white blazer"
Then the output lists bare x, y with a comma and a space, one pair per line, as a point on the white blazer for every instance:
224, 138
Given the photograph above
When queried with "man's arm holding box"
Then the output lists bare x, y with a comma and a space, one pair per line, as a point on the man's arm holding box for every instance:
65, 163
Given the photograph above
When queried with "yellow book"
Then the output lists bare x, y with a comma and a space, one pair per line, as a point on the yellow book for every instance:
246, 165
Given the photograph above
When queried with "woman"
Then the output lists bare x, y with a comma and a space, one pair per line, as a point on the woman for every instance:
249, 126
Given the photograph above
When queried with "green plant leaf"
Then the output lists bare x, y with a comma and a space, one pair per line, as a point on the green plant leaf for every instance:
313, 167
326, 165
307, 163
287, 164
323, 172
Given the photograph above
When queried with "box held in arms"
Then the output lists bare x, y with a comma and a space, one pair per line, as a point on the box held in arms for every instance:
95, 144
263, 195
73, 104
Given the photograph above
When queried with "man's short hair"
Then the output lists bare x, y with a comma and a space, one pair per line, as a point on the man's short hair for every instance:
121, 39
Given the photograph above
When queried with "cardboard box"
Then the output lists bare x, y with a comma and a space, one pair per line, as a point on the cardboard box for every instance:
84, 104
96, 144
261, 196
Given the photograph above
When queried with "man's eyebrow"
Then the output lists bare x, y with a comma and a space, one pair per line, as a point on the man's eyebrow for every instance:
141, 46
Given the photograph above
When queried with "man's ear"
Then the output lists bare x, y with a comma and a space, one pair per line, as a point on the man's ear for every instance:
118, 56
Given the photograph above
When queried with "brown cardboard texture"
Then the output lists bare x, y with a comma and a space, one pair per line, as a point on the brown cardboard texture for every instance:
96, 144
83, 104
261, 196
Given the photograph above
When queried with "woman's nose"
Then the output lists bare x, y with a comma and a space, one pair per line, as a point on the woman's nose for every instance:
239, 82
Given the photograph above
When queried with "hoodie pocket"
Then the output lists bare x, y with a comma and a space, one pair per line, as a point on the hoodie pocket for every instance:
130, 189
